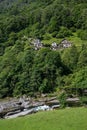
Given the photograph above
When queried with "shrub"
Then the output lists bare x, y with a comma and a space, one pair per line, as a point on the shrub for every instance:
82, 34
64, 32
47, 36
62, 99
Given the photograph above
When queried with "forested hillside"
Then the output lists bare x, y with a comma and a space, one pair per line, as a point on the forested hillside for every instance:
24, 70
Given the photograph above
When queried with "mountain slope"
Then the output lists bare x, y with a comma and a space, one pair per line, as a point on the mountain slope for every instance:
23, 70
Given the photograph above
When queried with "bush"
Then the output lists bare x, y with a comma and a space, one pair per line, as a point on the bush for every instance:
83, 100
54, 33
64, 32
62, 99
82, 34
47, 36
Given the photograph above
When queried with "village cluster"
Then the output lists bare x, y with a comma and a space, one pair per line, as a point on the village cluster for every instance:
54, 46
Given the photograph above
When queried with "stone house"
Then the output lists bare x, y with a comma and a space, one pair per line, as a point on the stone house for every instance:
37, 44
54, 46
64, 44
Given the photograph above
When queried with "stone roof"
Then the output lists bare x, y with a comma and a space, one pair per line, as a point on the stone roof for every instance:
65, 44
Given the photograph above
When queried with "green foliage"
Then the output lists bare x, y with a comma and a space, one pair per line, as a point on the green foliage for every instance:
40, 17
83, 100
76, 83
70, 57
82, 61
44, 72
80, 79
82, 34
64, 32
62, 98
26, 71
47, 36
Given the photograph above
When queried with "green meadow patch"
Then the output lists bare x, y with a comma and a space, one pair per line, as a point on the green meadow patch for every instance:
65, 119
74, 39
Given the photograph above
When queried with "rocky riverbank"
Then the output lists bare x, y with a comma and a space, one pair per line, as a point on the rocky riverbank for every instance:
19, 107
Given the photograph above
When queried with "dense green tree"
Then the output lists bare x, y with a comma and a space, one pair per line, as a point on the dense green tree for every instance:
70, 57
82, 61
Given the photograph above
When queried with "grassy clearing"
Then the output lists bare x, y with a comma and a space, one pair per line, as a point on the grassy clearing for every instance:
73, 39
66, 119
76, 40
50, 41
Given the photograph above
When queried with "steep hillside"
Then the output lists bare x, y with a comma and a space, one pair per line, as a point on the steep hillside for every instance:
25, 70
